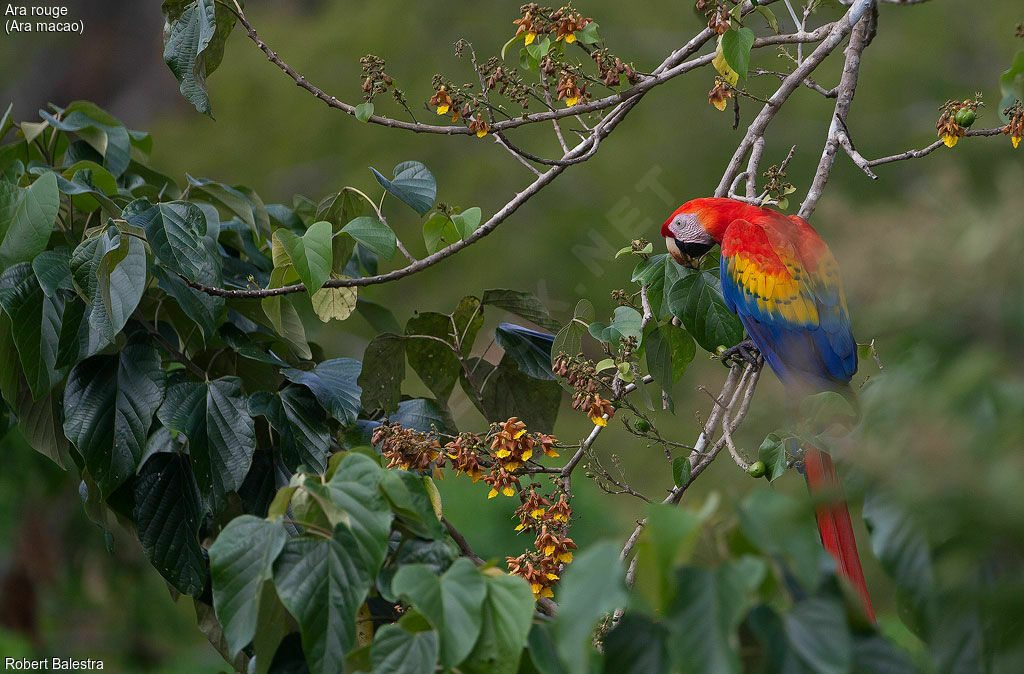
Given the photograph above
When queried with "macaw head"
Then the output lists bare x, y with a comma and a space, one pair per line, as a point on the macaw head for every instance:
696, 226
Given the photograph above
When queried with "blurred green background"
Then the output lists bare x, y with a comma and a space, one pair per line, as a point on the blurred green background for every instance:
929, 252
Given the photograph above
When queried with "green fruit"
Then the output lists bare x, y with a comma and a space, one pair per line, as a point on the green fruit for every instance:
643, 425
720, 350
757, 469
965, 117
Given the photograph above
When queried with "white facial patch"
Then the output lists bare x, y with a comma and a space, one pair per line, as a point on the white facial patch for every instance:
686, 227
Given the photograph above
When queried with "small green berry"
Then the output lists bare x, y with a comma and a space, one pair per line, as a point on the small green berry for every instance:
757, 469
965, 117
643, 425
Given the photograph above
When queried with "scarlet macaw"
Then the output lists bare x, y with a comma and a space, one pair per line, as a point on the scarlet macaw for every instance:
781, 279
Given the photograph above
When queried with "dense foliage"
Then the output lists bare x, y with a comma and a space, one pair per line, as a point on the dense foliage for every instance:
292, 497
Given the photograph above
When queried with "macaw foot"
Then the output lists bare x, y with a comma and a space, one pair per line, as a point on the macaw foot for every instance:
745, 350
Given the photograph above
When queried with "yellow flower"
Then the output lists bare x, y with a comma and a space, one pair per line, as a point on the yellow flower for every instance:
565, 557
492, 493
442, 109
537, 513
571, 101
526, 455
558, 517
502, 453
599, 421
520, 434
481, 133
530, 37
546, 592
552, 576
521, 526
1015, 140
569, 39
509, 491
950, 140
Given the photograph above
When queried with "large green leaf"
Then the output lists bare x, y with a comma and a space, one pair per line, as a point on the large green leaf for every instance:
101, 130
508, 613
283, 315
177, 233
396, 649
214, 417
439, 232
40, 423
435, 362
167, 518
697, 300
334, 383
521, 304
109, 403
817, 631
194, 46
413, 183
323, 582
667, 543
301, 425
453, 603
121, 280
241, 560
35, 327
354, 488
530, 349
238, 201
383, 372
637, 645
709, 606
407, 495
26, 218
311, 253
626, 322
591, 587
467, 221
53, 270
782, 527
374, 234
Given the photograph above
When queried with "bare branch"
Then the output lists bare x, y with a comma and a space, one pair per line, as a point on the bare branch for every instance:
915, 154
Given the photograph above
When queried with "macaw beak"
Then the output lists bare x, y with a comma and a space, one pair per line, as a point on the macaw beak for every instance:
679, 255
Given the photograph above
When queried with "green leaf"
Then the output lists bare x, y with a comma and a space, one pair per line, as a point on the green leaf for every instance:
709, 606
697, 300
438, 232
396, 649
508, 612
1011, 84
301, 425
237, 200
177, 233
769, 16
435, 362
35, 327
773, 453
625, 323
241, 560
364, 111
530, 349
378, 316
900, 544
452, 603
109, 405
413, 183
736, 46
468, 318
817, 631
668, 541
334, 383
782, 527
467, 221
355, 488
507, 392
637, 645
214, 417
383, 372
40, 423
681, 470
121, 280
525, 305
283, 315
589, 34
592, 586
821, 410
424, 414
311, 253
167, 518
569, 340
408, 497
27, 216
101, 130
374, 234
53, 270
323, 582
206, 310
194, 47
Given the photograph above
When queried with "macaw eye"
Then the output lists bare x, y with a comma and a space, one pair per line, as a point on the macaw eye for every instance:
694, 248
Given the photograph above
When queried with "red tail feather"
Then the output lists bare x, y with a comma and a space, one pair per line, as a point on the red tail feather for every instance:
834, 521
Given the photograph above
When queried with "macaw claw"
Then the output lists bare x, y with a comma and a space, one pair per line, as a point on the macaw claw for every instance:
745, 350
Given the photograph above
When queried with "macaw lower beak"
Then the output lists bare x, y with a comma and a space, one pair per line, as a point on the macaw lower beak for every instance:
675, 249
